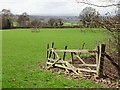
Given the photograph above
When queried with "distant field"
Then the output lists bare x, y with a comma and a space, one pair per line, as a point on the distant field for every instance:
23, 51
70, 24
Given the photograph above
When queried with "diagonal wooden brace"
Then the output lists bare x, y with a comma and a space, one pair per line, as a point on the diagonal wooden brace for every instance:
53, 63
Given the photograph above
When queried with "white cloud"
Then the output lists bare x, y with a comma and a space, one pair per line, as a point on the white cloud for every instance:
47, 7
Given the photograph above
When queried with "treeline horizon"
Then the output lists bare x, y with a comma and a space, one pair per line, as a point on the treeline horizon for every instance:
84, 20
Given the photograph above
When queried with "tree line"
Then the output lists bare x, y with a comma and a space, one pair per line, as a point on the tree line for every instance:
9, 20
87, 19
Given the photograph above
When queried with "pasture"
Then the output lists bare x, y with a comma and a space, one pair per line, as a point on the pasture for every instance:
24, 51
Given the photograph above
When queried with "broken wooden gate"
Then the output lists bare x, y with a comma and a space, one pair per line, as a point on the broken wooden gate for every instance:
54, 60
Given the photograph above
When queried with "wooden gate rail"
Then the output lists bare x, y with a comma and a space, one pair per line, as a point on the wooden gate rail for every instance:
83, 51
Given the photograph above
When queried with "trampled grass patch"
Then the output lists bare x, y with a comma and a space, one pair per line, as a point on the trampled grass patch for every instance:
24, 50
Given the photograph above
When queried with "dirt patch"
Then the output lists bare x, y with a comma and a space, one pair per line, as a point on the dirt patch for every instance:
87, 60
89, 76
110, 73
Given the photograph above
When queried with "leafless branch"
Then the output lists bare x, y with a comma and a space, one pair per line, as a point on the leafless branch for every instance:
97, 5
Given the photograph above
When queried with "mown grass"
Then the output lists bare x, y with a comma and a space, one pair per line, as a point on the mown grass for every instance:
23, 51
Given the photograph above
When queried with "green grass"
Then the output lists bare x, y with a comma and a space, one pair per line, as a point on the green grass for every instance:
70, 24
23, 51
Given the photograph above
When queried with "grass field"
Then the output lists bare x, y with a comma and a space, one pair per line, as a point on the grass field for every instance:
23, 51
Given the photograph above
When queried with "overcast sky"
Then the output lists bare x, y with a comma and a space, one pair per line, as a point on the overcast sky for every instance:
50, 7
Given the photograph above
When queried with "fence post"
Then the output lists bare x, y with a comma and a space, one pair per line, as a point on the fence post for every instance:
51, 51
64, 53
97, 58
47, 53
72, 56
47, 50
101, 60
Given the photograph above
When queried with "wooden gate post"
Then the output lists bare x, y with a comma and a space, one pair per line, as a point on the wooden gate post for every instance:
97, 58
51, 51
64, 53
47, 50
47, 54
101, 60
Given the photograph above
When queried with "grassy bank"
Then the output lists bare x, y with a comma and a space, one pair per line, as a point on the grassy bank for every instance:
23, 51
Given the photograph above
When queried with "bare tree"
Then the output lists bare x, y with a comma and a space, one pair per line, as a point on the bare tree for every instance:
24, 20
36, 24
6, 19
51, 22
55, 22
60, 22
112, 24
87, 15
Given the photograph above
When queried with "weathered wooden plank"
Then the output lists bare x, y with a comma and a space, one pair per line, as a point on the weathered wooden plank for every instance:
83, 51
97, 54
53, 63
97, 58
61, 61
86, 70
81, 69
55, 53
89, 65
72, 67
69, 67
81, 60
58, 65
101, 60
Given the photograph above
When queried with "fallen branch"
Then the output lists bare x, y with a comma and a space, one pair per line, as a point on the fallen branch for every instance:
97, 5
113, 63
